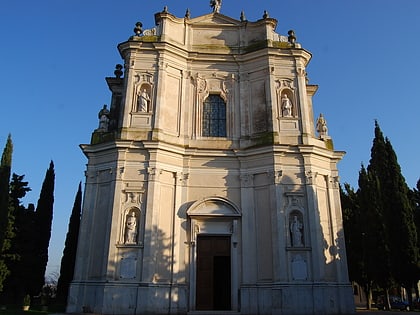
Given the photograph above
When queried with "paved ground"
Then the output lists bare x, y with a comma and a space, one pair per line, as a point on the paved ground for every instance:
359, 311
378, 312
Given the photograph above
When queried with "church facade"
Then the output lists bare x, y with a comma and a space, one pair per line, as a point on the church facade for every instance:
210, 188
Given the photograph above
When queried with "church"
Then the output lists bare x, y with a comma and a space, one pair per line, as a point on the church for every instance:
211, 188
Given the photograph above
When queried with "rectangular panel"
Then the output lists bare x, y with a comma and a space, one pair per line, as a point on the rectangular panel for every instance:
128, 266
141, 120
264, 234
171, 108
164, 233
99, 245
289, 125
258, 107
215, 37
324, 214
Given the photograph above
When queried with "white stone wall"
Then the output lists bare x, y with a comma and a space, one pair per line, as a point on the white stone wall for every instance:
270, 184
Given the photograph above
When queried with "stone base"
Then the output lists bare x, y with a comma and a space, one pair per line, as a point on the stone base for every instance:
126, 298
299, 299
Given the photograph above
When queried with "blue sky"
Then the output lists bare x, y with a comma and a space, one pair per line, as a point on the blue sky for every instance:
55, 55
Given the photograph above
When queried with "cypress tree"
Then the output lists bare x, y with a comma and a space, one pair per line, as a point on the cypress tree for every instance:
356, 221
351, 224
396, 210
376, 266
43, 223
68, 260
401, 225
14, 286
5, 215
415, 199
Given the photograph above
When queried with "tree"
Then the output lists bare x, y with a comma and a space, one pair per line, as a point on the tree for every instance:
394, 210
68, 260
351, 224
379, 224
374, 242
367, 250
21, 243
415, 199
403, 232
43, 222
355, 225
5, 215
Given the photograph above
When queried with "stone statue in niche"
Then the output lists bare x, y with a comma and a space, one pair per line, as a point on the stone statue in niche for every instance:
296, 231
143, 101
286, 106
130, 236
321, 126
103, 116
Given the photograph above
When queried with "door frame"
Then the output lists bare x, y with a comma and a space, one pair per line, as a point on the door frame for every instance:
214, 216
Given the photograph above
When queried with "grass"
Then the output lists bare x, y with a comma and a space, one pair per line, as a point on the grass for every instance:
17, 310
20, 312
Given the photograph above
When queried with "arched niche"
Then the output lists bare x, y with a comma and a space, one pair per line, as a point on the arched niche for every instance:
286, 87
296, 228
130, 230
143, 98
287, 103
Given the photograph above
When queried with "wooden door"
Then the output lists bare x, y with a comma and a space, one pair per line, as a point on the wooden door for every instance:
213, 285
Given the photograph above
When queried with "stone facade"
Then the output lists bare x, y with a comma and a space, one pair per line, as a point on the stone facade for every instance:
207, 187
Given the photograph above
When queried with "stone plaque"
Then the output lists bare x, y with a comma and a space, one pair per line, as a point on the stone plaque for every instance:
128, 267
299, 268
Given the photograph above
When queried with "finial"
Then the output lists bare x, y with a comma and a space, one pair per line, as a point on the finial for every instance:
165, 9
291, 38
243, 18
187, 14
118, 70
138, 29
216, 5
265, 15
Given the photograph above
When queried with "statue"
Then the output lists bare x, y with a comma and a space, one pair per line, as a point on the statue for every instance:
216, 5
286, 106
321, 126
131, 229
143, 102
296, 231
103, 116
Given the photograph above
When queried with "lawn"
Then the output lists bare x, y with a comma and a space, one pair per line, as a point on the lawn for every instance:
20, 312
14, 310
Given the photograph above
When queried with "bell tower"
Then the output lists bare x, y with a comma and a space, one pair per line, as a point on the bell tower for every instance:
210, 185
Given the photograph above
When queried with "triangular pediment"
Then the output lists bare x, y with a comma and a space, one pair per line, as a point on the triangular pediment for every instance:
214, 19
